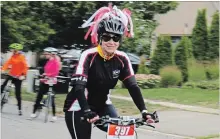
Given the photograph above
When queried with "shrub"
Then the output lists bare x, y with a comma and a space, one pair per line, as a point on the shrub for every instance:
212, 70
207, 85
196, 70
171, 76
148, 81
212, 85
142, 68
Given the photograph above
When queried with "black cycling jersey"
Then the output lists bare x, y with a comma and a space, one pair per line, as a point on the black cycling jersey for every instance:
95, 76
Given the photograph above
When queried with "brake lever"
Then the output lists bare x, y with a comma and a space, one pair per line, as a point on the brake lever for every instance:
150, 125
155, 116
144, 123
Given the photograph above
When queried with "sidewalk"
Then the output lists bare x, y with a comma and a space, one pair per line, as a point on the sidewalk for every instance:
175, 105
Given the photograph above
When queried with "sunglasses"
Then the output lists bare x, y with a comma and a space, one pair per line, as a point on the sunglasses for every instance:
107, 38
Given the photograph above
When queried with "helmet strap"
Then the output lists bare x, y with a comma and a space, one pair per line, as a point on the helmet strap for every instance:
100, 39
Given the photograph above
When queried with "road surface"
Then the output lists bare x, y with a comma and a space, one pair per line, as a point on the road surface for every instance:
21, 127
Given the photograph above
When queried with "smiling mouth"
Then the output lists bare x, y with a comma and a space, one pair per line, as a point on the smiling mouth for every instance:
110, 46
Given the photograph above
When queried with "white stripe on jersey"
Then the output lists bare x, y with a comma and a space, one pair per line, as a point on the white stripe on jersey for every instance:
79, 69
127, 58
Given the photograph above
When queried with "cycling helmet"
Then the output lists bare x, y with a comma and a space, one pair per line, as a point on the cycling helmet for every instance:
16, 46
51, 50
111, 26
109, 19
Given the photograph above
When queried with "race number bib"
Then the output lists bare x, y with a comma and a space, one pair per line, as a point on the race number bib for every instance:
120, 132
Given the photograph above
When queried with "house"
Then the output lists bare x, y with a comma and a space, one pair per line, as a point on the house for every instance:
181, 21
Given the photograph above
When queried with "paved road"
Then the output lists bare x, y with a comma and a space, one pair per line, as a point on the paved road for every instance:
21, 127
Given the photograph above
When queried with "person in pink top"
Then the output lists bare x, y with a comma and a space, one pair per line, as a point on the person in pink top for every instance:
52, 67
51, 70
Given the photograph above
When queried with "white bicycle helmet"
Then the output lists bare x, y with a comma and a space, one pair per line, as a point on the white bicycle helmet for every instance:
51, 50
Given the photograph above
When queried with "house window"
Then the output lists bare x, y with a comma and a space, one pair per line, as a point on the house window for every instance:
175, 39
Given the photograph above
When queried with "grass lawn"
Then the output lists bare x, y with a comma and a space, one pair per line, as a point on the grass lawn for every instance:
129, 108
122, 107
198, 97
209, 137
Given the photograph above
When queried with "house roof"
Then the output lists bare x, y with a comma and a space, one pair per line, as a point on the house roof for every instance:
181, 21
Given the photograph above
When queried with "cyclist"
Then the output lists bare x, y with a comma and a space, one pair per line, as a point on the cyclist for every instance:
98, 71
51, 69
18, 70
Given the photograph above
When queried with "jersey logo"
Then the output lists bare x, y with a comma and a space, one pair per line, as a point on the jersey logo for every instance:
116, 73
79, 78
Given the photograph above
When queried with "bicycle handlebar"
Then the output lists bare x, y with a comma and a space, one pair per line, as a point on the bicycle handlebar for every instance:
44, 76
125, 121
118, 121
10, 75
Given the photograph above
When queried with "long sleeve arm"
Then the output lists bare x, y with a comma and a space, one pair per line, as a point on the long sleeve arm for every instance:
6, 65
128, 78
79, 91
25, 66
135, 93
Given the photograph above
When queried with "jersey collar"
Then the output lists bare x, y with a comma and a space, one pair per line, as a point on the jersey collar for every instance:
102, 54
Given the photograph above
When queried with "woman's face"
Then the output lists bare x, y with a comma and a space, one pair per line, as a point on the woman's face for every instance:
47, 55
110, 42
14, 51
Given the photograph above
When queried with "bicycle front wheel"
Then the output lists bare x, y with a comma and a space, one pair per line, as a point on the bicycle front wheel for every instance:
47, 108
4, 98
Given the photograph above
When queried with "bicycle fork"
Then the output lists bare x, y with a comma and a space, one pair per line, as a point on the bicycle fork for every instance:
49, 103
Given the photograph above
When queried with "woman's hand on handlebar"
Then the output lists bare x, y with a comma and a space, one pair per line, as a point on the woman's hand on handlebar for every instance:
90, 116
4, 72
150, 117
21, 77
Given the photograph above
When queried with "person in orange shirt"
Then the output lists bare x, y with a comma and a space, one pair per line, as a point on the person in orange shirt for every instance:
17, 66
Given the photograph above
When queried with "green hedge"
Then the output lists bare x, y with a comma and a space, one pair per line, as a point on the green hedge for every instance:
196, 70
212, 85
212, 70
171, 76
148, 81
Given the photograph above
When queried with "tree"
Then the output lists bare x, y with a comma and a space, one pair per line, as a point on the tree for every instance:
56, 23
65, 17
162, 55
213, 38
181, 54
142, 68
19, 24
200, 36
142, 14
189, 47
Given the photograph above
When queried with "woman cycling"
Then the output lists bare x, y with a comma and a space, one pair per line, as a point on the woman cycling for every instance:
51, 69
98, 71
17, 65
